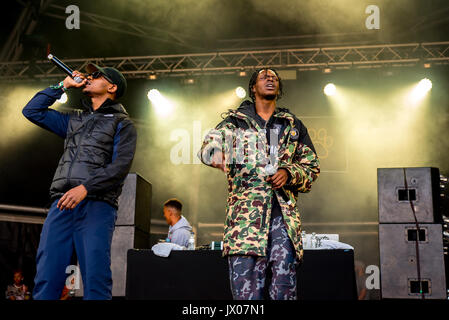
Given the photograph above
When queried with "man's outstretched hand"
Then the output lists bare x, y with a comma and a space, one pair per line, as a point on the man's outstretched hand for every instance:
72, 198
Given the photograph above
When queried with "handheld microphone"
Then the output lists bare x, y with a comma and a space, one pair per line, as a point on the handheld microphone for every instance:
61, 65
284, 196
271, 170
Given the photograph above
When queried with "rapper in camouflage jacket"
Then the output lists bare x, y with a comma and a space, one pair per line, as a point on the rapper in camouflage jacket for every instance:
245, 148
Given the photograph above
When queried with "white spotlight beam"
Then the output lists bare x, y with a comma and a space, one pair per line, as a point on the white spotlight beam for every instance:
421, 89
330, 89
162, 105
240, 92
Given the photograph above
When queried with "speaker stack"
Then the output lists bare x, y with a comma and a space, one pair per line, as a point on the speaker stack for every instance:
411, 249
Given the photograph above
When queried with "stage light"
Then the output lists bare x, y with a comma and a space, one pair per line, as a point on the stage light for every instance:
63, 98
153, 94
152, 76
425, 85
327, 70
240, 92
242, 73
421, 89
427, 65
162, 106
188, 81
330, 89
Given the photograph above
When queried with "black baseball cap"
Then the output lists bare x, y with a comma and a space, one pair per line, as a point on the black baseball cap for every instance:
113, 75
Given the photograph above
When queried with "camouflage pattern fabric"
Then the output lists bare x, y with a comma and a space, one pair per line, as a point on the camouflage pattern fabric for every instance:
246, 153
247, 274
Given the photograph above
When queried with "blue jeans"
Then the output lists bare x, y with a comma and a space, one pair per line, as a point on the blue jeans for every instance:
88, 229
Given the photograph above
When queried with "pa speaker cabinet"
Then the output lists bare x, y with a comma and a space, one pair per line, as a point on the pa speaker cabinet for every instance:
124, 238
134, 203
398, 261
423, 186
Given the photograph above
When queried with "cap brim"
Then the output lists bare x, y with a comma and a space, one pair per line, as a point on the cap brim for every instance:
93, 67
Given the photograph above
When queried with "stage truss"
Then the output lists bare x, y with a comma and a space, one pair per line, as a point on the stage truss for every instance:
229, 62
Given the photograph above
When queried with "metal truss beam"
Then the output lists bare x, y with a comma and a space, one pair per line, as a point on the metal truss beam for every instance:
25, 25
302, 59
126, 27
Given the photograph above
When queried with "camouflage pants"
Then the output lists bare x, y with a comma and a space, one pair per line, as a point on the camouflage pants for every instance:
252, 276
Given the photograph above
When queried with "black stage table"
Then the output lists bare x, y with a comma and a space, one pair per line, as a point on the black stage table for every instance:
203, 275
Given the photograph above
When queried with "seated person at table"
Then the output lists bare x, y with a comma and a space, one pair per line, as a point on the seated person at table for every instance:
180, 229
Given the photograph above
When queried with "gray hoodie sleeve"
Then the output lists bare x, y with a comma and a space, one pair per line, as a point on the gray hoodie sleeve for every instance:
181, 236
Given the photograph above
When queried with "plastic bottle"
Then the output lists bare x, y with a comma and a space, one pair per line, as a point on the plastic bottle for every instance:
191, 245
303, 237
313, 240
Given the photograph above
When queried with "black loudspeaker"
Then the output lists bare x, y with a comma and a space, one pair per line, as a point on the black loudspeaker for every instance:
134, 204
400, 191
398, 261
132, 227
125, 238
423, 189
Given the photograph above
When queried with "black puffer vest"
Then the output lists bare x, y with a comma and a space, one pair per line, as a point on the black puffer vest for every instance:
88, 145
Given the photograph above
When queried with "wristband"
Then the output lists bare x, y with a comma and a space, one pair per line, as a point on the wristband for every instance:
60, 85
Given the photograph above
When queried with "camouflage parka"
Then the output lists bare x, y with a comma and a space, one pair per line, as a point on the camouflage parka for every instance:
245, 147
